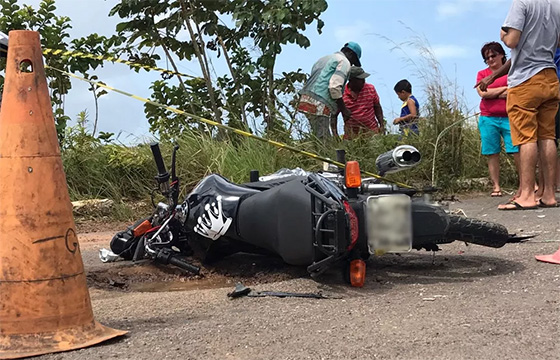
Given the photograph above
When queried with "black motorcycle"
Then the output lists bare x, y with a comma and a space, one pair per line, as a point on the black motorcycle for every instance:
312, 219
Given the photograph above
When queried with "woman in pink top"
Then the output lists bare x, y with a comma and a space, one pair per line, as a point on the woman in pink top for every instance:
494, 123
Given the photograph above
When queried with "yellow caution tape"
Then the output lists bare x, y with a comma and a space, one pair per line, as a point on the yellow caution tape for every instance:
79, 54
226, 127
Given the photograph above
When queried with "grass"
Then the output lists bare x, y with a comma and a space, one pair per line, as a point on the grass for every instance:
126, 173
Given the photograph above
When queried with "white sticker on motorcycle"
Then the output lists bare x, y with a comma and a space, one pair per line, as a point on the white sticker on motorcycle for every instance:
213, 224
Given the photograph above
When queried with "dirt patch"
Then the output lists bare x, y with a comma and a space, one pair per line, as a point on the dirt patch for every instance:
150, 277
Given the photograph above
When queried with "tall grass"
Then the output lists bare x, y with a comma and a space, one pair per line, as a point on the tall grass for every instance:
95, 169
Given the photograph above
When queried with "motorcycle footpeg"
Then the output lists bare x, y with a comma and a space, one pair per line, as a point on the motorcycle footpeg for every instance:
320, 267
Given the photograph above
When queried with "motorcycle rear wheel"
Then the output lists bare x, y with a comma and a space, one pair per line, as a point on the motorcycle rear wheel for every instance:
477, 231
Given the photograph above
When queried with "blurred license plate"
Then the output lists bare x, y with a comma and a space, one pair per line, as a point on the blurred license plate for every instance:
389, 223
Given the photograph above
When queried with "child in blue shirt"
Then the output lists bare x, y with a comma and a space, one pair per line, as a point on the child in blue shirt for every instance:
408, 121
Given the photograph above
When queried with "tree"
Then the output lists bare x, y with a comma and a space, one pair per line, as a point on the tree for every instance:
54, 35
272, 24
229, 29
158, 25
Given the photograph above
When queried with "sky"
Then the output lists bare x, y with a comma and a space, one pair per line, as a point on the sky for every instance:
454, 29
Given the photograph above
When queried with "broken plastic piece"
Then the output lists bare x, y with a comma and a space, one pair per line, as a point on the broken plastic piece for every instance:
107, 256
242, 290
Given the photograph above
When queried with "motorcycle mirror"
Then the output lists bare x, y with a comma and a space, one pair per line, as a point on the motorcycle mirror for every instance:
400, 158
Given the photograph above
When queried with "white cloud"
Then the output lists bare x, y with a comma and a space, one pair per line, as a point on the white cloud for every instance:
446, 51
448, 9
452, 8
437, 51
354, 32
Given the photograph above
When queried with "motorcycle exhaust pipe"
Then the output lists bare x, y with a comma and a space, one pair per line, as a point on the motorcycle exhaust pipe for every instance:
400, 158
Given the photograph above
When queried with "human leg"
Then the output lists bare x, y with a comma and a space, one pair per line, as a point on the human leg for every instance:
547, 135
548, 157
494, 171
522, 107
505, 131
490, 139
319, 125
517, 161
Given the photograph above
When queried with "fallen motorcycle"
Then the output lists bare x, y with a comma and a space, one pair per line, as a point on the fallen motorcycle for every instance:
312, 219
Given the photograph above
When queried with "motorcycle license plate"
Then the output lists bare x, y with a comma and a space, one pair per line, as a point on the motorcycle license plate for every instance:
389, 223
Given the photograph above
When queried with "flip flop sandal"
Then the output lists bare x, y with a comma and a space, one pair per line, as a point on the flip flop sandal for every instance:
543, 205
496, 194
517, 207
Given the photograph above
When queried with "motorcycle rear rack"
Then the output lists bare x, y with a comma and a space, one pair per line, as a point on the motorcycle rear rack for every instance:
329, 226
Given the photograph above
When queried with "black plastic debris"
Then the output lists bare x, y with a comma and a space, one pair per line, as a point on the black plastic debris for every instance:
242, 290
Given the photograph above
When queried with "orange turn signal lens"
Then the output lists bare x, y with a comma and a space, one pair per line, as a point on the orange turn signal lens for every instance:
357, 272
353, 175
142, 228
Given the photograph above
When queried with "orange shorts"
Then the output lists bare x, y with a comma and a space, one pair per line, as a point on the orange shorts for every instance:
532, 107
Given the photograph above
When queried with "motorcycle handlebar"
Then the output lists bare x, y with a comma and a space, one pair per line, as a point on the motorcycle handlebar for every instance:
166, 256
184, 265
158, 159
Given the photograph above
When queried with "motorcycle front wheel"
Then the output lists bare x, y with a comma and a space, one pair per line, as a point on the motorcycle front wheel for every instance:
477, 231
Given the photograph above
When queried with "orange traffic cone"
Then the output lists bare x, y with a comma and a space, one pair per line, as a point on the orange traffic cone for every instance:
553, 258
44, 300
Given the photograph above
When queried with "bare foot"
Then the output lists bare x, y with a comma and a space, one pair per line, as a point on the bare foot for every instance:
496, 193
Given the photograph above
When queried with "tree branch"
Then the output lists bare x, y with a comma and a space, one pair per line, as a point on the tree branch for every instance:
237, 87
203, 66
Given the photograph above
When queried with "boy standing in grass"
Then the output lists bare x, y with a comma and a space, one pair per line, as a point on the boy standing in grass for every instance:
408, 121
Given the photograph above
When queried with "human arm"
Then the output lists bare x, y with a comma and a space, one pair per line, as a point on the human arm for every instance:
510, 37
336, 84
413, 113
378, 110
334, 124
513, 26
492, 93
483, 84
379, 116
346, 114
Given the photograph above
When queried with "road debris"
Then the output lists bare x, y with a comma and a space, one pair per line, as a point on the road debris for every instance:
242, 290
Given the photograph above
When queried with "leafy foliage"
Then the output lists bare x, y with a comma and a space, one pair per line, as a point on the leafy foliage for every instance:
248, 34
54, 35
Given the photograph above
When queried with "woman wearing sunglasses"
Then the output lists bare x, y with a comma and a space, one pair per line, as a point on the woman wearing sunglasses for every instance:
494, 123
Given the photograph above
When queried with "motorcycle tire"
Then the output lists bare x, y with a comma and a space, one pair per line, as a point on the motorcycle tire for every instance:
477, 232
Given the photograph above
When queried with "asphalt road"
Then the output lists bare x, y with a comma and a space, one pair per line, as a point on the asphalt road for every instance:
465, 302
